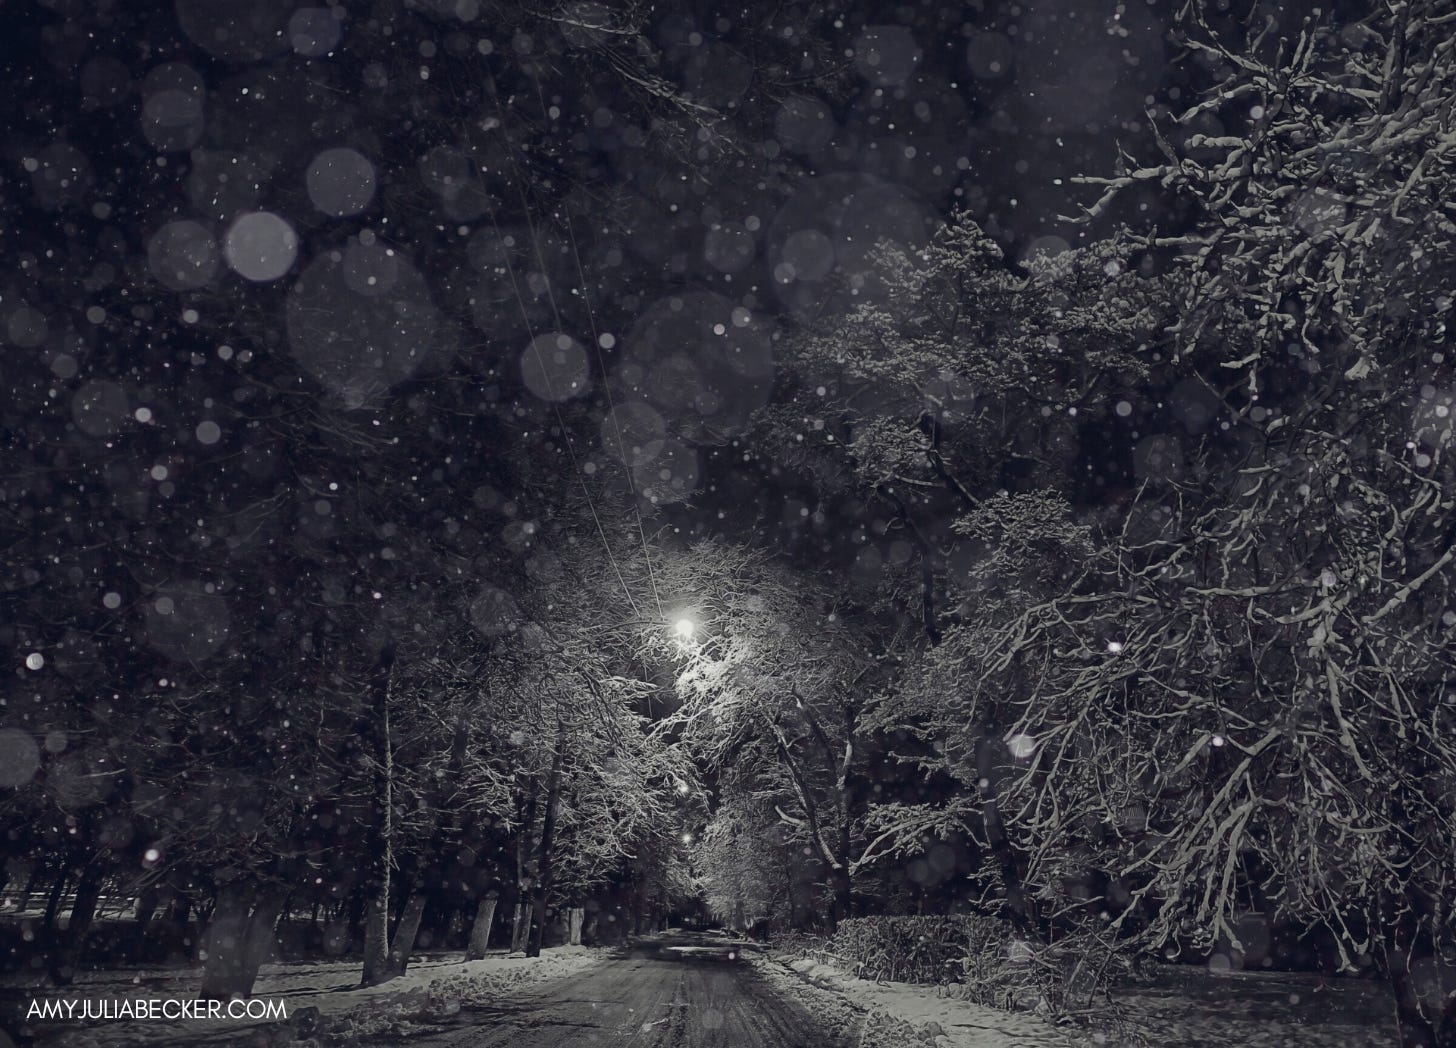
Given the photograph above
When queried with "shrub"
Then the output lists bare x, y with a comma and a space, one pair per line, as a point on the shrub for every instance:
914, 949
983, 959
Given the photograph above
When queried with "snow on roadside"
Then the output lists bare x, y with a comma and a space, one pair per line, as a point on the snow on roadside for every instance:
346, 1012
1198, 1008
909, 1014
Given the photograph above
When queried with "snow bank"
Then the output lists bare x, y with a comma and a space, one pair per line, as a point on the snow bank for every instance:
1183, 1006
326, 1006
904, 1013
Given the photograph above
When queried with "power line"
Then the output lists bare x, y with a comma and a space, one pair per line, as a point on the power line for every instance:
606, 386
535, 348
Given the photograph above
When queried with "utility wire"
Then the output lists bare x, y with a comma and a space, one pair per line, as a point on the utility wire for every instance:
536, 349
606, 386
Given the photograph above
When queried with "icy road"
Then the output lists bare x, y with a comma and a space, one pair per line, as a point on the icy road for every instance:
682, 991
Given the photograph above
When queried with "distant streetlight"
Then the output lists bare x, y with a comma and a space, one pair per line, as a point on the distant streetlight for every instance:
685, 628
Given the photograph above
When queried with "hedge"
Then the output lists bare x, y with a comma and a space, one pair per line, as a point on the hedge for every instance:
982, 959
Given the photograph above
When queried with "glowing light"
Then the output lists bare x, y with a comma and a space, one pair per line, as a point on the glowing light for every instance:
685, 628
1114, 646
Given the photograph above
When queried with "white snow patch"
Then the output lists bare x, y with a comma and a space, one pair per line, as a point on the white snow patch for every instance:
947, 1022
435, 987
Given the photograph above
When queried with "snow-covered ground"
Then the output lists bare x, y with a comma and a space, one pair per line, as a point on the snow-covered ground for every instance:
431, 989
905, 1013
1198, 1008
1186, 1006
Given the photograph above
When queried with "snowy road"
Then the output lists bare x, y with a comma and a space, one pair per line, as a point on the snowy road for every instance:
683, 992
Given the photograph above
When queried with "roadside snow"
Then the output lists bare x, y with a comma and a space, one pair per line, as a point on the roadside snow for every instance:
345, 1011
1183, 1006
1196, 1008
917, 1010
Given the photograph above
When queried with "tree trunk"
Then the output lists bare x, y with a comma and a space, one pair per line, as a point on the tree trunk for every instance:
1020, 907
147, 902
355, 909
1422, 1021
536, 926
543, 863
53, 903
520, 916
83, 907
520, 925
262, 935
381, 851
376, 937
789, 892
226, 942
428, 872
575, 916
840, 877
403, 943
146, 908
480, 930
240, 939
1419, 1022
843, 888
1416, 1031
83, 913
180, 911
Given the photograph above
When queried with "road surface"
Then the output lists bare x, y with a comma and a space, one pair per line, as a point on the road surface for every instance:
681, 991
